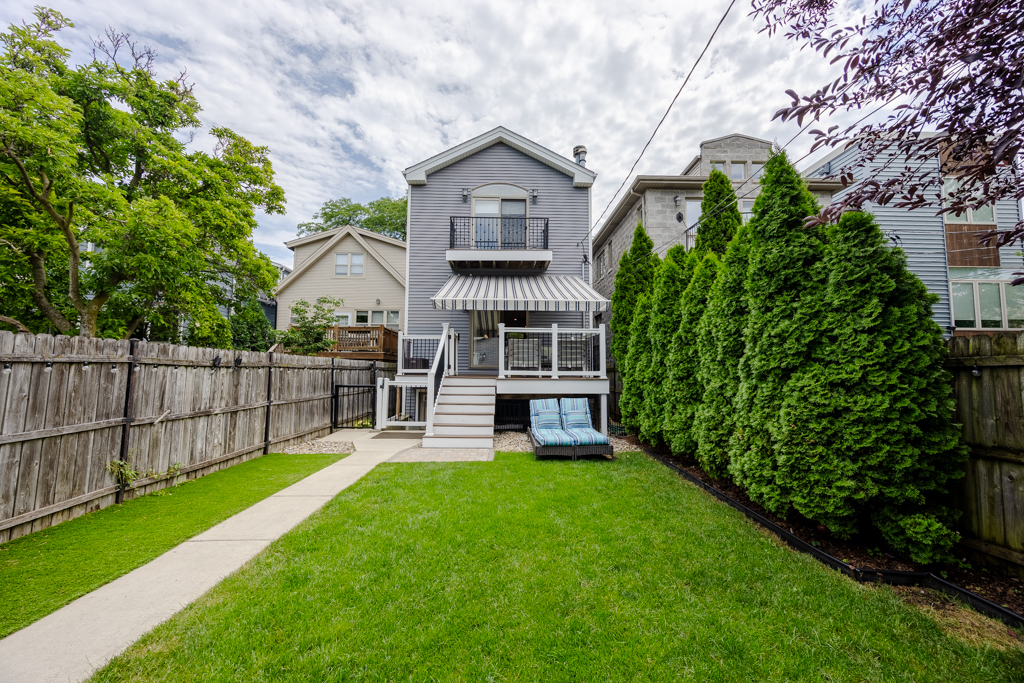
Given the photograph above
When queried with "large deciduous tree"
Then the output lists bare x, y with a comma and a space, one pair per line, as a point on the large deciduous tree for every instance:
953, 69
102, 190
386, 216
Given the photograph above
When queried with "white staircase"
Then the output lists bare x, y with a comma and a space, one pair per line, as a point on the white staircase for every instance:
464, 414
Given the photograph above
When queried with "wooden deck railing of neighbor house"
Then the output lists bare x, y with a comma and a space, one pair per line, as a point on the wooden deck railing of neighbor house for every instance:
364, 343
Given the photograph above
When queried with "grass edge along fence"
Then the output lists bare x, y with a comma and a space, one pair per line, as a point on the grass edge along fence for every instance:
72, 406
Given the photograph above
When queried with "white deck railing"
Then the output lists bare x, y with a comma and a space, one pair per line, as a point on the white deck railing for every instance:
399, 398
551, 352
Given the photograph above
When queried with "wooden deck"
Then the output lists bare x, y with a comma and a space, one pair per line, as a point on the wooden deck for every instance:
378, 342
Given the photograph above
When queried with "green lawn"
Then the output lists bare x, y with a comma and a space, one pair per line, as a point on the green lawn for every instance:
44, 571
517, 570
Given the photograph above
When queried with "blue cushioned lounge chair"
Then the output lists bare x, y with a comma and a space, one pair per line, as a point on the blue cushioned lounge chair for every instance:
575, 413
546, 431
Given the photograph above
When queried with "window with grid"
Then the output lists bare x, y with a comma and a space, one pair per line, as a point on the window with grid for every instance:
348, 264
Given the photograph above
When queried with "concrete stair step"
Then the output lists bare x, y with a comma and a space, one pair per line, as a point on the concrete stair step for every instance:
458, 442
464, 409
468, 390
463, 430
464, 419
466, 399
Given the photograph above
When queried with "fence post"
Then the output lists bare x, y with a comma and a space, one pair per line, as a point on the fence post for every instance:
129, 404
334, 399
266, 419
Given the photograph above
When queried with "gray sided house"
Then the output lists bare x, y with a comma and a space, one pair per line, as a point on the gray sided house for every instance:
499, 305
669, 205
971, 281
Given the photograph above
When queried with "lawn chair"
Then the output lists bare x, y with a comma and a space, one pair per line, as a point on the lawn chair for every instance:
575, 413
546, 431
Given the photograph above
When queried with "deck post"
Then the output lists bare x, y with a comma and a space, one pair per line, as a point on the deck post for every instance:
604, 414
501, 350
554, 351
601, 354
400, 354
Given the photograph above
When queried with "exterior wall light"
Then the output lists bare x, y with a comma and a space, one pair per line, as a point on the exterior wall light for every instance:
677, 200
85, 365
976, 371
7, 368
113, 367
534, 196
465, 195
48, 367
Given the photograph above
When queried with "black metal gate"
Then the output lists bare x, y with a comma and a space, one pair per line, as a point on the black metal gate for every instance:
353, 405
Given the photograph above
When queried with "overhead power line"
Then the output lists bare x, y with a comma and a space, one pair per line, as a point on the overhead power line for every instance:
665, 115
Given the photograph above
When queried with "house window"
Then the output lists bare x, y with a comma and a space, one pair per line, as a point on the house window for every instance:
756, 169
984, 214
348, 264
739, 170
393, 318
342, 319
747, 209
718, 166
601, 265
692, 211
362, 317
986, 304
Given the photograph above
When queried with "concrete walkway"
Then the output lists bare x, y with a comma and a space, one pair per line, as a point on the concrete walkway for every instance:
74, 641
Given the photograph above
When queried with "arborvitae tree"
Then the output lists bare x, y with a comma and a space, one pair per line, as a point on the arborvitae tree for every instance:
668, 289
866, 425
634, 277
250, 329
631, 402
720, 347
720, 218
785, 293
686, 391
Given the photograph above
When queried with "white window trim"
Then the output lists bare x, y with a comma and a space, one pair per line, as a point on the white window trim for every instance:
349, 266
1004, 322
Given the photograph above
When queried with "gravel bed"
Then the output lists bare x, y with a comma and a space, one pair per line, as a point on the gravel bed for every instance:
321, 446
519, 442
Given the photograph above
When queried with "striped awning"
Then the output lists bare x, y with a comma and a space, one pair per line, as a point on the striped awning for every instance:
518, 293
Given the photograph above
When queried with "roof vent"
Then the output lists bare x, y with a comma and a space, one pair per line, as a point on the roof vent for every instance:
580, 152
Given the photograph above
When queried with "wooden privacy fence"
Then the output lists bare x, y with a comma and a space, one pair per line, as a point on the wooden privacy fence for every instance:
71, 405
988, 378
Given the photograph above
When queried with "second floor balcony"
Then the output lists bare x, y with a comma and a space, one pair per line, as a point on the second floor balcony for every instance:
515, 242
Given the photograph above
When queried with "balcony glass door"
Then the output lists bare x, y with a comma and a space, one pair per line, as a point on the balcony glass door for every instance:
486, 222
513, 224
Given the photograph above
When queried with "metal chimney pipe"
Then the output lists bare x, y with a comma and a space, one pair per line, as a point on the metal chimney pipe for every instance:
580, 152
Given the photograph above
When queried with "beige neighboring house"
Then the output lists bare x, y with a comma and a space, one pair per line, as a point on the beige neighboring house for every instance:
364, 268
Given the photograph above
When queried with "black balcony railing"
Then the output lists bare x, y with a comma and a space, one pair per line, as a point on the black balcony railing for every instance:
498, 232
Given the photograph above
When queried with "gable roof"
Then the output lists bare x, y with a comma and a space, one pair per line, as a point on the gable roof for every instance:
581, 175
332, 237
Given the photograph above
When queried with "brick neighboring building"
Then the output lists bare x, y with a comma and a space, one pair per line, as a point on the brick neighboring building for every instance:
668, 205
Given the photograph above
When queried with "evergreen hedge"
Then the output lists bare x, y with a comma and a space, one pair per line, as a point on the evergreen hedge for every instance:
634, 277
720, 218
865, 428
720, 348
671, 280
631, 402
685, 389
785, 288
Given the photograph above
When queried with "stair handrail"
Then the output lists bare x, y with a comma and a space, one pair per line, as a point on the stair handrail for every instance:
435, 376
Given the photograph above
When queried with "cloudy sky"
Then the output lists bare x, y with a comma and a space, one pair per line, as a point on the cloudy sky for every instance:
347, 94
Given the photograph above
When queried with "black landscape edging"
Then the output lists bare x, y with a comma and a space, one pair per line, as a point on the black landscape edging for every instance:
888, 576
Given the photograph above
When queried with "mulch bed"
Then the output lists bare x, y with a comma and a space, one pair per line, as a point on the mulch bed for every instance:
865, 551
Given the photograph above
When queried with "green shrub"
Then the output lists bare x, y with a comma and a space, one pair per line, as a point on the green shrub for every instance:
785, 282
631, 402
671, 280
720, 217
866, 425
634, 277
308, 334
685, 390
720, 348
250, 329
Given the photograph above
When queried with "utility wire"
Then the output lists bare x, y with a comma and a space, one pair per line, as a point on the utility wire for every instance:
665, 115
